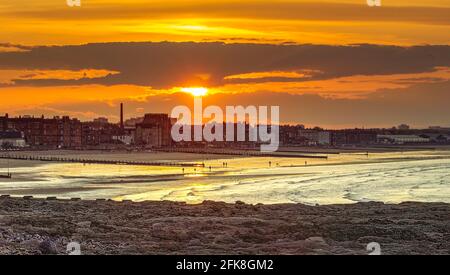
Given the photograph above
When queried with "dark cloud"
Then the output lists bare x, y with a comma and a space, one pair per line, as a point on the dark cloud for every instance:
14, 47
167, 64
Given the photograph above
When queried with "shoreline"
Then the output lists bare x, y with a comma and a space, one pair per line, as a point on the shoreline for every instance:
173, 159
110, 227
305, 181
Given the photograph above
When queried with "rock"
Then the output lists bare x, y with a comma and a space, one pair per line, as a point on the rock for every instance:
48, 248
316, 242
33, 244
38, 226
195, 242
85, 224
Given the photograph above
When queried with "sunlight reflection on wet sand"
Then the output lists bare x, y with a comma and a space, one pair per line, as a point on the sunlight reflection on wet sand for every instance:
343, 178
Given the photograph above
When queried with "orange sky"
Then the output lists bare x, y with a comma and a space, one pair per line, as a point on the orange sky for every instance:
302, 21
331, 22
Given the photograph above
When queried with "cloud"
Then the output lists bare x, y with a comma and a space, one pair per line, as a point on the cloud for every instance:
8, 47
166, 65
12, 77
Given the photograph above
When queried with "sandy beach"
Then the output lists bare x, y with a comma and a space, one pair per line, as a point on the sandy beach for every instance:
392, 177
107, 227
175, 211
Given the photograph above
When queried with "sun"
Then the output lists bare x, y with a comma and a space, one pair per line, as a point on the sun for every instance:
195, 91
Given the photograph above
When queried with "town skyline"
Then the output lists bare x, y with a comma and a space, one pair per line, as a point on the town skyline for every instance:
127, 120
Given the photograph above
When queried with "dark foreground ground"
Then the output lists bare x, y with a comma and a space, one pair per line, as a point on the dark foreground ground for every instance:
105, 227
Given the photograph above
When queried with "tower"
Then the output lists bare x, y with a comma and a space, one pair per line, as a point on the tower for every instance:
121, 116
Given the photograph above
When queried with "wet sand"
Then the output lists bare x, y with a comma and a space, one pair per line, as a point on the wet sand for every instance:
345, 178
107, 227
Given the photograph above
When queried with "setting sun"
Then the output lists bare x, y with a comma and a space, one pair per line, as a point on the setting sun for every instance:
195, 91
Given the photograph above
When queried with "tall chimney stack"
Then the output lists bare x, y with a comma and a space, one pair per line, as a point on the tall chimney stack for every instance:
121, 116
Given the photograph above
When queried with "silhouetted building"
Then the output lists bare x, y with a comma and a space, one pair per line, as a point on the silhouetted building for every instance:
101, 120
126, 139
401, 139
53, 132
436, 138
154, 131
97, 133
439, 128
353, 137
12, 139
131, 122
316, 137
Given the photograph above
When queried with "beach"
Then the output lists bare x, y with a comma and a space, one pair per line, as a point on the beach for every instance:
344, 178
38, 226
232, 205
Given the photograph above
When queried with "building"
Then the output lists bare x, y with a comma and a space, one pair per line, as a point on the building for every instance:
53, 132
131, 122
101, 120
289, 135
100, 132
436, 138
353, 137
316, 137
154, 131
12, 139
439, 128
126, 139
401, 139
95, 133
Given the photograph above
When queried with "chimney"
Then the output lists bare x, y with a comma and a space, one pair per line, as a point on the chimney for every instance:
121, 116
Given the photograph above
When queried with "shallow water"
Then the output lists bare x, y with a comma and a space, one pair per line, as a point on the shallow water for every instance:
345, 178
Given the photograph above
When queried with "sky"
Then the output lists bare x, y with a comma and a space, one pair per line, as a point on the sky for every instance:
334, 63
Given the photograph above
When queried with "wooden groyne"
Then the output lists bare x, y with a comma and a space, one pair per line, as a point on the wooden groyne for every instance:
7, 176
99, 161
243, 153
